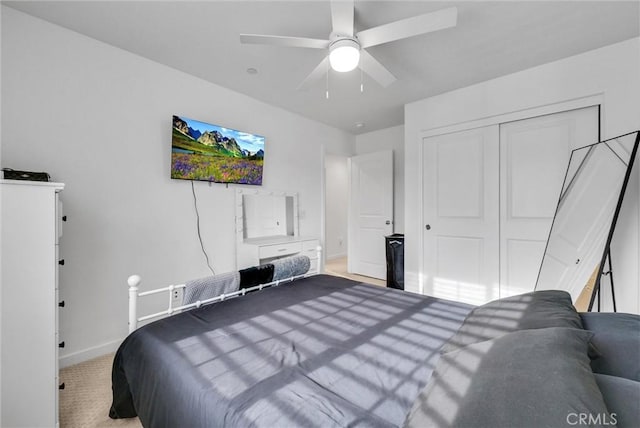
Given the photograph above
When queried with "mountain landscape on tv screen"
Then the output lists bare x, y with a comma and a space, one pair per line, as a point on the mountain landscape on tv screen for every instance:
200, 151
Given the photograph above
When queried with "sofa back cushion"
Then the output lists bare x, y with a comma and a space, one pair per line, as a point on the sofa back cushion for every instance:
616, 336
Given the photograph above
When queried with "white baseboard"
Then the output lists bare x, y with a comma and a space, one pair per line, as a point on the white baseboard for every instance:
336, 256
89, 353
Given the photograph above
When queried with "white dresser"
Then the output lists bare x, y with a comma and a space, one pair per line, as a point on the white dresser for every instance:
31, 225
257, 251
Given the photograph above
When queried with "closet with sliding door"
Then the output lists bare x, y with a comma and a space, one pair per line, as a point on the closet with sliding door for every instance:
489, 198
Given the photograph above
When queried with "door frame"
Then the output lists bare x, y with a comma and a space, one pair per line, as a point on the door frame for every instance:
588, 101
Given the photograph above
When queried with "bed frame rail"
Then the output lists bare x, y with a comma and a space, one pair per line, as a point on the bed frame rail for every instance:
135, 280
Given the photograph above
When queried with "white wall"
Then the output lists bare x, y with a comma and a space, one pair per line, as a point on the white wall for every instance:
612, 72
337, 201
99, 119
388, 139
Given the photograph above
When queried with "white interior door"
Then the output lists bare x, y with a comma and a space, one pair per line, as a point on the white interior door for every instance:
460, 212
534, 154
370, 212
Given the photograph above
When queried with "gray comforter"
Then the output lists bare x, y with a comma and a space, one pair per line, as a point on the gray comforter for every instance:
322, 351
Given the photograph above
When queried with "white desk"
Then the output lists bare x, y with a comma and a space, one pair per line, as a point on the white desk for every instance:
257, 251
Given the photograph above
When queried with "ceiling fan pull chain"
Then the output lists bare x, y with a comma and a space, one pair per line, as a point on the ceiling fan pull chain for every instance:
328, 70
361, 80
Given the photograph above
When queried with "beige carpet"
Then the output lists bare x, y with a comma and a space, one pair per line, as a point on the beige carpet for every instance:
86, 399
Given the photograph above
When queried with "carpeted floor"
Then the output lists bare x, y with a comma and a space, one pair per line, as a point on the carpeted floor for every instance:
338, 267
86, 399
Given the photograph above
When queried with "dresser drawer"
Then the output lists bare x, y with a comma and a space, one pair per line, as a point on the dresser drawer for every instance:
310, 248
280, 250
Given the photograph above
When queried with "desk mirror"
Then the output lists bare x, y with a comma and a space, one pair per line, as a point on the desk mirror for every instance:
266, 214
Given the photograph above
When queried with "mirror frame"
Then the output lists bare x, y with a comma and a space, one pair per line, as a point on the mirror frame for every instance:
606, 250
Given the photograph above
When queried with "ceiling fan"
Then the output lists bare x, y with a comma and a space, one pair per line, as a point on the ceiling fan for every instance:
346, 48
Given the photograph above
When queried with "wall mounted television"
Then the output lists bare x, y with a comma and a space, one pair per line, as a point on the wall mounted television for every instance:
206, 152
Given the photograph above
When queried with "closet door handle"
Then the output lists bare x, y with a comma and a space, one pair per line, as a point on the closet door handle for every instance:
61, 304
61, 386
61, 344
61, 262
64, 218
428, 227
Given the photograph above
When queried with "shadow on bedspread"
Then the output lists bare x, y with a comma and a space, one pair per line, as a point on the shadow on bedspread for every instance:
323, 351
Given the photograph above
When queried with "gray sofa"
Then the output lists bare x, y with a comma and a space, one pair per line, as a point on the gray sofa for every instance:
533, 361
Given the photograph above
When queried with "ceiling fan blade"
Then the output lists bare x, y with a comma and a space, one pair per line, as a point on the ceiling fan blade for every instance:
342, 17
294, 42
409, 27
373, 68
316, 74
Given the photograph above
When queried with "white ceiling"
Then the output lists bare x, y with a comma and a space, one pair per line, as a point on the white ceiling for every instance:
202, 38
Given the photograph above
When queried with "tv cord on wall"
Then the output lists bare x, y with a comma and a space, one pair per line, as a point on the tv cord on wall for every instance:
195, 204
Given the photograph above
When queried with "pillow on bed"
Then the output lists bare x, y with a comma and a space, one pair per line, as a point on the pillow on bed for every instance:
617, 338
528, 378
538, 309
622, 397
288, 267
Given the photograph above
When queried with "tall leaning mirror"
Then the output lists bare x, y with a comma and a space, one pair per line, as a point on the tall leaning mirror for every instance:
577, 253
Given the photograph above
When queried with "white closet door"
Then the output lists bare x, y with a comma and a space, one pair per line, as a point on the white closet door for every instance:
534, 154
460, 213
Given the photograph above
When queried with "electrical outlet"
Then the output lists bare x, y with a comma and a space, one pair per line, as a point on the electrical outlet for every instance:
177, 295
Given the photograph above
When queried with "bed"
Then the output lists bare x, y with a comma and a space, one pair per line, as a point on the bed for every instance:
327, 351
320, 351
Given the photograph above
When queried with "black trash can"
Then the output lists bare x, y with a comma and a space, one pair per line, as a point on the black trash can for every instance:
395, 260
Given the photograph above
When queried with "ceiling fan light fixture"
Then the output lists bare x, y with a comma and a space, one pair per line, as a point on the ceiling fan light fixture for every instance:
344, 55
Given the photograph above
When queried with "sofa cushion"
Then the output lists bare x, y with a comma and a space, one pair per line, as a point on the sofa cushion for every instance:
622, 397
538, 309
617, 339
527, 378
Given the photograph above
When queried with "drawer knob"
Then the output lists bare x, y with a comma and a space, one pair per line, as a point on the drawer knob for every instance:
61, 304
61, 386
61, 262
61, 344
